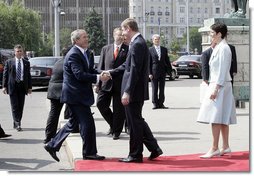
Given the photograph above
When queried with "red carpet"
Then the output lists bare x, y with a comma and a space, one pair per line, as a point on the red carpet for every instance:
238, 162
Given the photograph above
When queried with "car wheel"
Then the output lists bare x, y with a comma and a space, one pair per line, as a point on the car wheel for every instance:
173, 75
191, 76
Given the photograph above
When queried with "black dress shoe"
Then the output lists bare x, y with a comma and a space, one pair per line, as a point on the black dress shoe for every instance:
5, 135
131, 159
155, 107
163, 107
94, 157
116, 136
52, 152
155, 154
19, 128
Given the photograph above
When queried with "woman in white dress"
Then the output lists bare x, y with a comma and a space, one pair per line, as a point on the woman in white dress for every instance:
218, 106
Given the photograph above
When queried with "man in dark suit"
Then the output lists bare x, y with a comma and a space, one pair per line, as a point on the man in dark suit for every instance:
77, 93
54, 95
3, 134
233, 68
205, 57
159, 66
112, 56
17, 83
134, 92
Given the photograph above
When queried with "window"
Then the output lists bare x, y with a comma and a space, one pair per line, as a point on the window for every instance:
182, 30
181, 20
206, 10
166, 20
198, 9
182, 10
191, 9
134, 8
217, 10
151, 31
152, 19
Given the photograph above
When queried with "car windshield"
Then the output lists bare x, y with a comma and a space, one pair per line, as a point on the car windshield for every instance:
43, 61
188, 58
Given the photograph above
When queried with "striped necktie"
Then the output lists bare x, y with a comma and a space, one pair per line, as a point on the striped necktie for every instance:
158, 51
18, 73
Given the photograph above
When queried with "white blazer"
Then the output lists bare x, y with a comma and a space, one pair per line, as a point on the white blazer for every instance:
219, 64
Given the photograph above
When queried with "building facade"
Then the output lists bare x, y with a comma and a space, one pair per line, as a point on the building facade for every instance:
169, 17
73, 12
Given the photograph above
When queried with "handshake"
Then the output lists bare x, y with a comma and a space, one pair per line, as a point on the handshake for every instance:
105, 76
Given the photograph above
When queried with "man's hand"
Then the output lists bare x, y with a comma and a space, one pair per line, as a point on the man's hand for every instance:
29, 91
125, 99
4, 90
105, 76
151, 77
96, 88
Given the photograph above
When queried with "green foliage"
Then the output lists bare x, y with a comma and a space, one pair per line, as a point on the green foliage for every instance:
46, 48
175, 45
19, 25
93, 26
195, 39
149, 43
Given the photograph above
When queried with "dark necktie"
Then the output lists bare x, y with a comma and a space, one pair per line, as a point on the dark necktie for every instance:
86, 57
18, 73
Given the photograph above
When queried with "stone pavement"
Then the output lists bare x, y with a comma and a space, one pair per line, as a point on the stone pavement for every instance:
175, 128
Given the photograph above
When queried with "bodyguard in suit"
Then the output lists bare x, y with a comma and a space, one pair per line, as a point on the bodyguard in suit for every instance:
205, 57
112, 56
134, 91
159, 66
17, 83
77, 93
233, 68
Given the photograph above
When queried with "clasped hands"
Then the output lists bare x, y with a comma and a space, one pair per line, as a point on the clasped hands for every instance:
105, 76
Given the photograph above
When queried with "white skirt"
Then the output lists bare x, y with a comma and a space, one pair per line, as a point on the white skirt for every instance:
221, 110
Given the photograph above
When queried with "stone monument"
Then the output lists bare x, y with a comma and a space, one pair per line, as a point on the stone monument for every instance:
238, 35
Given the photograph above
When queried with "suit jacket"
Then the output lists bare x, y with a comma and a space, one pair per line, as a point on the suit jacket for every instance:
135, 77
78, 78
56, 81
220, 63
205, 57
107, 62
159, 68
9, 76
233, 68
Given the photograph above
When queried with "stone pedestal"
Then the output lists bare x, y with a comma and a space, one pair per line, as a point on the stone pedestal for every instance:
238, 35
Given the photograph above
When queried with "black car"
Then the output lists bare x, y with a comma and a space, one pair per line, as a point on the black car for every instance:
41, 69
189, 65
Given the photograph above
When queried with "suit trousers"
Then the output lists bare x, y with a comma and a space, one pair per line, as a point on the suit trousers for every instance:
114, 118
82, 115
140, 132
53, 118
17, 99
158, 85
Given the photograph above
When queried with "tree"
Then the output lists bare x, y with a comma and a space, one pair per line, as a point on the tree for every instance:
19, 25
195, 39
93, 26
175, 45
